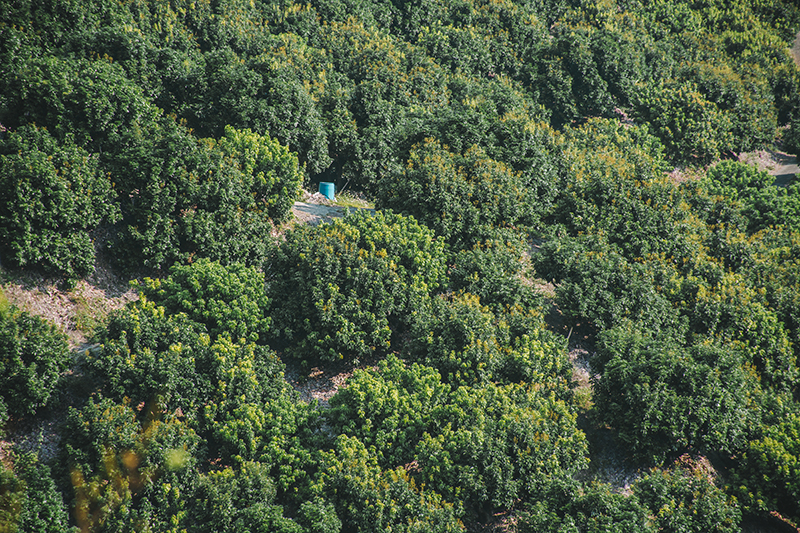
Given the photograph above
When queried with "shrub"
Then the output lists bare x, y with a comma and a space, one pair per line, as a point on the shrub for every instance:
495, 271
693, 128
370, 499
681, 499
52, 196
767, 476
130, 468
753, 194
596, 283
593, 508
340, 290
32, 355
232, 394
483, 446
273, 171
665, 399
232, 500
29, 492
153, 357
614, 187
730, 310
12, 497
488, 448
225, 299
468, 343
791, 139
460, 197
185, 199
685, 499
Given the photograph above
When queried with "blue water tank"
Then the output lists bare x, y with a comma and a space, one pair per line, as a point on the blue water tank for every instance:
327, 189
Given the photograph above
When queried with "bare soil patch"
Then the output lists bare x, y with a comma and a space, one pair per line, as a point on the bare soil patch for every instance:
316, 209
779, 164
76, 312
319, 384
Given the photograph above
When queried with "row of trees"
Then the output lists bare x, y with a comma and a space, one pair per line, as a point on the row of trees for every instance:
175, 135
118, 94
194, 427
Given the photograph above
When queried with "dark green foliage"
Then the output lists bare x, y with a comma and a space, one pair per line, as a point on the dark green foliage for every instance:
390, 409
340, 290
726, 308
42, 507
495, 270
232, 394
484, 446
238, 500
573, 85
686, 499
460, 339
252, 414
775, 267
791, 138
445, 111
52, 196
496, 444
692, 128
594, 508
319, 516
753, 194
467, 343
32, 355
90, 99
683, 498
614, 188
745, 97
12, 497
767, 478
150, 356
185, 199
128, 466
371, 499
225, 299
664, 399
270, 171
710, 109
458, 196
599, 285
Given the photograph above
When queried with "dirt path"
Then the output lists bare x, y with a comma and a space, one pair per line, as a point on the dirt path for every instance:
785, 170
779, 164
76, 312
317, 209
310, 213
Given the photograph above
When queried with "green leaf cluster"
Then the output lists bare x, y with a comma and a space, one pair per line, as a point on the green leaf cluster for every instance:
54, 195
341, 291
483, 446
33, 354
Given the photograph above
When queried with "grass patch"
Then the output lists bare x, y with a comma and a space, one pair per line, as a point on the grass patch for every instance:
90, 313
354, 200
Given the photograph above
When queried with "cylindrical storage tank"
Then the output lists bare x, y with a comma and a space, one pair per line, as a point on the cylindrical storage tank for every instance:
328, 190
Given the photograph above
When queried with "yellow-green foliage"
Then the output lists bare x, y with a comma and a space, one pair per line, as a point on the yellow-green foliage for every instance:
340, 290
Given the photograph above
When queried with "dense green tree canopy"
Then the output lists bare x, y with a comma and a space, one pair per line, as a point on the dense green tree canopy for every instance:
548, 174
342, 290
33, 353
